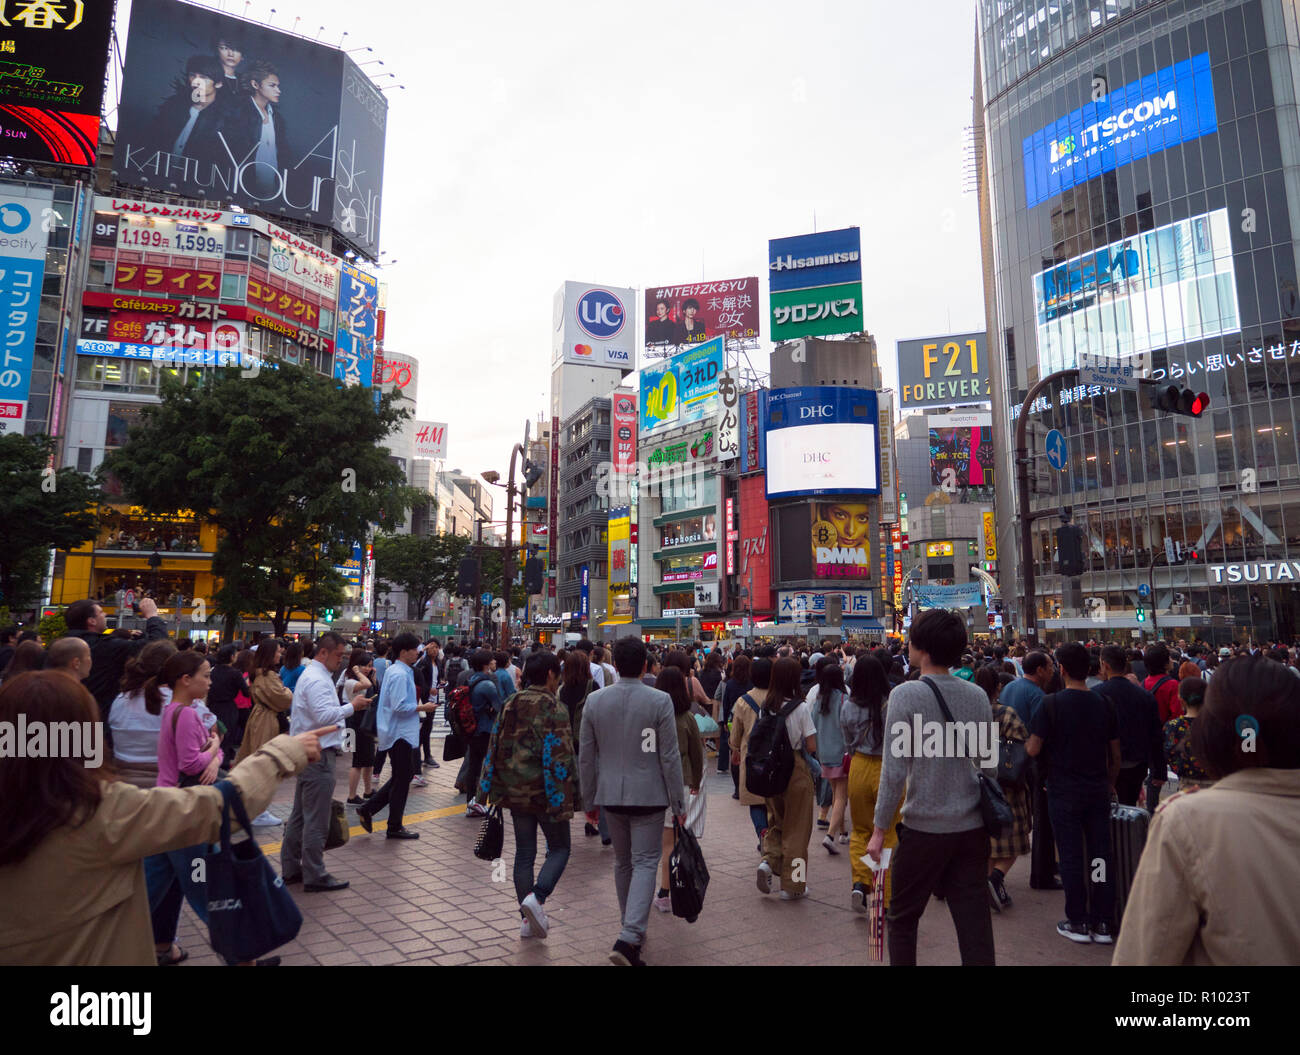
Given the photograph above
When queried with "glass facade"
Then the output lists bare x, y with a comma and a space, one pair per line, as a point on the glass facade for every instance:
1182, 261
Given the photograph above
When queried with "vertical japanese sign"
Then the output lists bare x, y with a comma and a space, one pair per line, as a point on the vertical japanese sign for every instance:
990, 536
751, 432
728, 418
553, 512
25, 214
624, 433
354, 350
733, 536
586, 592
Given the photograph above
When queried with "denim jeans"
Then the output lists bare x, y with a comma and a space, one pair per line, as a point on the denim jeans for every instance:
557, 854
1081, 824
758, 817
168, 878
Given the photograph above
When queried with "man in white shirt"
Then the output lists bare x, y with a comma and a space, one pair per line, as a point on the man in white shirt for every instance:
316, 704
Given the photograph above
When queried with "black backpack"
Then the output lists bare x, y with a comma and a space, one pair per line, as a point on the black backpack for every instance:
770, 759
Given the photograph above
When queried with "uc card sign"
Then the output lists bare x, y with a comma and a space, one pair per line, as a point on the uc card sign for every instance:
1171, 106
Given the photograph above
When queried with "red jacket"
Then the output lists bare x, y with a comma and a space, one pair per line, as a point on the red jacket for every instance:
1167, 696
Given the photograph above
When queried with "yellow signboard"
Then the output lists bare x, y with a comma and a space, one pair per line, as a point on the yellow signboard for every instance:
938, 549
990, 537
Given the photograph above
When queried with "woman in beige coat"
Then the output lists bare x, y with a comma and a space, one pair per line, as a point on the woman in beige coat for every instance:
270, 698
72, 838
743, 717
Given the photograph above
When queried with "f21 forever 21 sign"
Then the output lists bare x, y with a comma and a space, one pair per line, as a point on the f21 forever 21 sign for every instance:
217, 108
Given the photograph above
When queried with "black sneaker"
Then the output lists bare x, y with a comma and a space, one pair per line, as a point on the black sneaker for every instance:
1074, 931
994, 901
858, 898
1101, 933
1000, 887
625, 955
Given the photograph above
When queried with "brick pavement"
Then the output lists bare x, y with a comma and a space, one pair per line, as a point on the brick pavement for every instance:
432, 902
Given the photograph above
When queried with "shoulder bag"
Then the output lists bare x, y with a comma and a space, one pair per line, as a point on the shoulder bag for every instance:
492, 832
994, 808
1013, 761
250, 911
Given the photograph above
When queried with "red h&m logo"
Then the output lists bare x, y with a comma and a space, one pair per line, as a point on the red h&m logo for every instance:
431, 434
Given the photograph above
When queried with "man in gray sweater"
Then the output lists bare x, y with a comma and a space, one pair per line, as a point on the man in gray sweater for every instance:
942, 843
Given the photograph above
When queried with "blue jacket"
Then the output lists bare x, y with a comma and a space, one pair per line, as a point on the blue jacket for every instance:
485, 695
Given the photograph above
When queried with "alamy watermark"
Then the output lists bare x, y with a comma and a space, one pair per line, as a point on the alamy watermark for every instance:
24, 739
922, 739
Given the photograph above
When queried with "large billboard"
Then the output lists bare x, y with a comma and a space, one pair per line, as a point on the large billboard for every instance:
961, 450
1171, 106
23, 224
816, 284
595, 326
620, 534
217, 108
695, 312
841, 539
684, 389
946, 371
822, 440
53, 56
1152, 290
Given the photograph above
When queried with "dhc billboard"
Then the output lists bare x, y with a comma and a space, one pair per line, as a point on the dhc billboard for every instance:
1171, 106
822, 440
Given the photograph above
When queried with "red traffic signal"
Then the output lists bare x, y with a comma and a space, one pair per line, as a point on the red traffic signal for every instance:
1174, 400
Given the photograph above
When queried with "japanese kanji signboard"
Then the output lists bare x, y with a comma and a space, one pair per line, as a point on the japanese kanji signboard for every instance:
816, 284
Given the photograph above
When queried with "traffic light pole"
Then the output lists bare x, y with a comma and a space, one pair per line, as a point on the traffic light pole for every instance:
1027, 517
1151, 592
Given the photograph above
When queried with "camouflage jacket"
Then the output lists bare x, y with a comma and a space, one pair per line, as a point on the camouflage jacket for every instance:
530, 759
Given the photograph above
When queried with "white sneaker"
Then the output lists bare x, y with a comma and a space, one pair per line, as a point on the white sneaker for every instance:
525, 929
829, 844
475, 810
844, 839
419, 782
764, 877
532, 908
790, 895
266, 819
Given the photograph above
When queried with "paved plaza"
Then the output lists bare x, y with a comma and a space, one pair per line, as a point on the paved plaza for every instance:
432, 901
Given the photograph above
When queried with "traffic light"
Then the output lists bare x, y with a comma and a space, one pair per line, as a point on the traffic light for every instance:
1069, 547
1141, 614
534, 569
467, 581
1183, 401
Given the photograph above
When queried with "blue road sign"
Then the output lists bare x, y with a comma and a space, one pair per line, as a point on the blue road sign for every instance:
1057, 452
1144, 590
486, 598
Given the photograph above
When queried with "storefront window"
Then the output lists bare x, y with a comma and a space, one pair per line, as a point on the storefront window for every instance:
691, 530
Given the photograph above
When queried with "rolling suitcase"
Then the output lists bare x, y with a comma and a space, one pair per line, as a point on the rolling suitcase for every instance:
1128, 835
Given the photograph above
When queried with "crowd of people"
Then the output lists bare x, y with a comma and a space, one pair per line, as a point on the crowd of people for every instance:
626, 736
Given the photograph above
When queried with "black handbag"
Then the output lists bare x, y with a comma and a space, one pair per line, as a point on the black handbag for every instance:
1013, 763
688, 878
250, 911
994, 808
491, 836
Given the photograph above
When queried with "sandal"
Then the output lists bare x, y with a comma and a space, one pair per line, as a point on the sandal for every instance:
166, 959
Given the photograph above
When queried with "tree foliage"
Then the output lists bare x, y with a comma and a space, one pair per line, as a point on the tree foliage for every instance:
39, 510
421, 565
287, 464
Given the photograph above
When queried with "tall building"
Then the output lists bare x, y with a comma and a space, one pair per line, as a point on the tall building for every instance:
582, 542
1139, 191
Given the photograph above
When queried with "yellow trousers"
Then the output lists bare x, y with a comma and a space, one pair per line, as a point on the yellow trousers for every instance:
789, 829
864, 786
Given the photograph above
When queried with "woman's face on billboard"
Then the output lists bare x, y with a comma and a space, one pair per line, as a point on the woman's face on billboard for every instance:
850, 520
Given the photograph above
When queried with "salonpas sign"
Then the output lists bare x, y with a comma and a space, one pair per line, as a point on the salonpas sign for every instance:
1261, 571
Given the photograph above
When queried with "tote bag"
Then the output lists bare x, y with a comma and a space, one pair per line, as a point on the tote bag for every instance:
250, 912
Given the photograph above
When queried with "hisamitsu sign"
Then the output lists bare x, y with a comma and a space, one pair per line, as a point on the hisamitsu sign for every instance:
1163, 109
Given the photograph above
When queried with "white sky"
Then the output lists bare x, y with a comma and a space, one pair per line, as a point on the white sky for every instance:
647, 144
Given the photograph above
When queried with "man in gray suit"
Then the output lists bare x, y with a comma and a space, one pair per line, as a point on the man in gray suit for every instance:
628, 753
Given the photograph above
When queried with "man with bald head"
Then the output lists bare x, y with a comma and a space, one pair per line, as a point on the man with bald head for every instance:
70, 655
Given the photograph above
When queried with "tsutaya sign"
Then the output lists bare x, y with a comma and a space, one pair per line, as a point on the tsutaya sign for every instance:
1259, 571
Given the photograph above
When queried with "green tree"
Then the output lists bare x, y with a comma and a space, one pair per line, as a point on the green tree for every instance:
419, 565
289, 467
51, 628
40, 509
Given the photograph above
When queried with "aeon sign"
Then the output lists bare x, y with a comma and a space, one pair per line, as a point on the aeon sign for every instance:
601, 314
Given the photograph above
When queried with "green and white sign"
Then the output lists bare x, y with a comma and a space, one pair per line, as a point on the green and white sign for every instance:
818, 312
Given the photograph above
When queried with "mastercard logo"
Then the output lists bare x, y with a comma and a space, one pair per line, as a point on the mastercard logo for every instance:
582, 349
